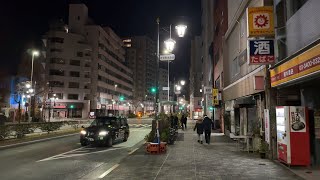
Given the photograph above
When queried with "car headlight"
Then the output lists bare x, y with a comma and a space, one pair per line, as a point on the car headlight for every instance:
103, 133
83, 132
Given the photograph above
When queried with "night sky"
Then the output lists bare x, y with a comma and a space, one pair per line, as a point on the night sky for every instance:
24, 22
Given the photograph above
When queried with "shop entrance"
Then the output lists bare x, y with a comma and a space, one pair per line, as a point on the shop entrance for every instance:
310, 98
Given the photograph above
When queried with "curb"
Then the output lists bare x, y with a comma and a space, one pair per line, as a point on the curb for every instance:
288, 168
35, 141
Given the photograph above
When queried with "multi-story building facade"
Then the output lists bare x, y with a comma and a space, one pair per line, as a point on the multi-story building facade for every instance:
207, 51
141, 59
195, 79
243, 85
220, 28
295, 77
68, 72
86, 63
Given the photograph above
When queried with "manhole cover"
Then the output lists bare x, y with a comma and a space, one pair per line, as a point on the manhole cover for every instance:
262, 164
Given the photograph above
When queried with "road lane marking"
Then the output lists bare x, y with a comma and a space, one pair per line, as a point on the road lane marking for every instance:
39, 140
59, 154
108, 171
133, 151
75, 154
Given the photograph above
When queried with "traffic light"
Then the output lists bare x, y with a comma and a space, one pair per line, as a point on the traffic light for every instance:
71, 106
121, 98
211, 108
153, 90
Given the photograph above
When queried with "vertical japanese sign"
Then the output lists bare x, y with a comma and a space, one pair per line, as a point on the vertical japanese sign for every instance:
215, 99
261, 52
267, 125
260, 21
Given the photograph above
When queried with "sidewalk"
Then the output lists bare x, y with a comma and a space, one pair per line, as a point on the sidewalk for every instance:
187, 159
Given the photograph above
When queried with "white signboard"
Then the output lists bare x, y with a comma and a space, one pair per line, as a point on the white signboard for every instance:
267, 125
165, 88
207, 90
167, 57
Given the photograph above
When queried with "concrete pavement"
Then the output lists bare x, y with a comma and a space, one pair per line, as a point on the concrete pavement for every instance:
187, 159
64, 158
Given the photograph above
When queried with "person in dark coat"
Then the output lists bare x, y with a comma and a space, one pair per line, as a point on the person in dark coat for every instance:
175, 121
207, 125
199, 127
184, 121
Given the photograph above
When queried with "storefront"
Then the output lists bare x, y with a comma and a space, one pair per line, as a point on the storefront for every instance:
297, 81
63, 110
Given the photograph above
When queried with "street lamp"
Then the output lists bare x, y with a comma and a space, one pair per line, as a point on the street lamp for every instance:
34, 53
182, 82
181, 30
178, 87
170, 43
28, 85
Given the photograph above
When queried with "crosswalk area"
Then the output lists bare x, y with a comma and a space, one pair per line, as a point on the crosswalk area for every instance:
140, 125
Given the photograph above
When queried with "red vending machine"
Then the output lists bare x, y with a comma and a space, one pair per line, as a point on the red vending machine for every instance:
293, 135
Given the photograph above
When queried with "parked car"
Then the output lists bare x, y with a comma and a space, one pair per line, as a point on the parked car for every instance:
105, 131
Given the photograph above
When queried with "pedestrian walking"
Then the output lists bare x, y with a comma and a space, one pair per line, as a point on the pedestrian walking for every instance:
199, 128
184, 121
207, 126
175, 121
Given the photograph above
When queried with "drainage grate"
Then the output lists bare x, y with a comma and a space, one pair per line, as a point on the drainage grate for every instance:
308, 172
262, 164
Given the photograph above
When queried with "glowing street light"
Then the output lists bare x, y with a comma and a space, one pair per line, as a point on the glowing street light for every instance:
31, 90
178, 87
170, 43
181, 30
28, 85
182, 82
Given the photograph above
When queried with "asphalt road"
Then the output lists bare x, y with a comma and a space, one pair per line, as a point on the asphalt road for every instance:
64, 158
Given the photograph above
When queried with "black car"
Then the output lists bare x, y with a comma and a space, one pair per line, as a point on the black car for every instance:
105, 131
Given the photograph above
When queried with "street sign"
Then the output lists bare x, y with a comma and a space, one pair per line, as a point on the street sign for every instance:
215, 94
167, 57
165, 88
207, 90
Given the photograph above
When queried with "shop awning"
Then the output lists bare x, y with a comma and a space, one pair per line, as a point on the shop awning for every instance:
301, 67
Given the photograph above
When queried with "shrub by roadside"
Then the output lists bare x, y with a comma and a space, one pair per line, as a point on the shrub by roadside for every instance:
20, 130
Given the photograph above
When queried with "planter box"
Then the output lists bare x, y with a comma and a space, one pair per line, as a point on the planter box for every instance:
153, 148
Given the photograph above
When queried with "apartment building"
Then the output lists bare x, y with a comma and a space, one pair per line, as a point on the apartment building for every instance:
220, 28
207, 52
86, 68
141, 59
195, 79
68, 70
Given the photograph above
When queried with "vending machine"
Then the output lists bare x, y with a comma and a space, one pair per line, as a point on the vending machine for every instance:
293, 135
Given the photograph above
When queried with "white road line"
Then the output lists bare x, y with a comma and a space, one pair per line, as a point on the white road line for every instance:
133, 151
161, 167
59, 154
65, 155
108, 171
39, 140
